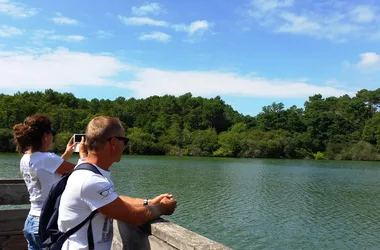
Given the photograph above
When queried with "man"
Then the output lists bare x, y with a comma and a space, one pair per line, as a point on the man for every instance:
86, 191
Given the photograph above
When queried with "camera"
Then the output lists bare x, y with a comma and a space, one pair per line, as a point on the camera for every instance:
78, 138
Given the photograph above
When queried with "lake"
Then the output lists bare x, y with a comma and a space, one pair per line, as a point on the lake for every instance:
258, 203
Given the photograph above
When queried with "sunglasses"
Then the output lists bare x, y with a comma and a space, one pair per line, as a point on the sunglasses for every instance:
120, 138
52, 131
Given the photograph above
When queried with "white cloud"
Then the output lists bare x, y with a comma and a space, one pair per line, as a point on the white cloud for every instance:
195, 30
198, 26
270, 5
334, 83
149, 8
158, 36
369, 61
8, 31
332, 20
298, 24
58, 69
195, 26
61, 68
70, 38
60, 19
103, 34
15, 9
158, 82
363, 14
142, 21
40, 36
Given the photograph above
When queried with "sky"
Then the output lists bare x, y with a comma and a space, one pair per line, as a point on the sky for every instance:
251, 53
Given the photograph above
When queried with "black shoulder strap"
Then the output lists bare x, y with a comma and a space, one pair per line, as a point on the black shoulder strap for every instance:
77, 227
87, 166
90, 237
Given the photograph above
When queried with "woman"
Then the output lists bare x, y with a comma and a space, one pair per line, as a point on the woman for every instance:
39, 168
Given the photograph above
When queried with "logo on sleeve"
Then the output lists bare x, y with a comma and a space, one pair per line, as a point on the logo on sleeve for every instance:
106, 191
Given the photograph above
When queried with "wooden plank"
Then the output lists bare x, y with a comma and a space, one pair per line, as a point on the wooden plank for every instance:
12, 242
182, 238
132, 237
18, 232
13, 220
160, 235
13, 193
12, 181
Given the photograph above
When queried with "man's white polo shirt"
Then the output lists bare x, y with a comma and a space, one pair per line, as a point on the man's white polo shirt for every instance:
85, 192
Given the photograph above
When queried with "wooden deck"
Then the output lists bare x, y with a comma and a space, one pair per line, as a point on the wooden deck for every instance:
158, 235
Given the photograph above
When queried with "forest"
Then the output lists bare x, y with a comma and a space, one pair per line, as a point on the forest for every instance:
335, 128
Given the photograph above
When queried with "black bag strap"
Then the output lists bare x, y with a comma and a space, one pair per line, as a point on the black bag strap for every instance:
77, 227
90, 237
87, 166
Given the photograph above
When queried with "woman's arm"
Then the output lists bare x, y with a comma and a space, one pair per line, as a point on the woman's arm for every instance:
70, 147
67, 166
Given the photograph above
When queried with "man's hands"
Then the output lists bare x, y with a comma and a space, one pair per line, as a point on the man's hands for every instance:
82, 148
166, 202
157, 199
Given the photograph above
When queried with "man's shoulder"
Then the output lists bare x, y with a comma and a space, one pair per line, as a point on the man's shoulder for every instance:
84, 174
95, 189
92, 172
88, 179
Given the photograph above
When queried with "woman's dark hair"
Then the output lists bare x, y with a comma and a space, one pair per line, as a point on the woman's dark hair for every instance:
28, 135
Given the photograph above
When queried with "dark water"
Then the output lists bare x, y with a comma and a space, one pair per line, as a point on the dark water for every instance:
259, 204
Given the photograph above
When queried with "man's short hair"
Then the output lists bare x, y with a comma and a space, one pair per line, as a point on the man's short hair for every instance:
100, 129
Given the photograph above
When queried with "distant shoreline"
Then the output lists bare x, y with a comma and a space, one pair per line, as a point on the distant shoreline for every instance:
333, 128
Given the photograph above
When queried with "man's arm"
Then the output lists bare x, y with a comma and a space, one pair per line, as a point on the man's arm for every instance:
134, 214
132, 201
140, 202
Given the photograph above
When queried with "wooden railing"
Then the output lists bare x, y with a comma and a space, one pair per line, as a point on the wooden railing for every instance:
12, 192
158, 235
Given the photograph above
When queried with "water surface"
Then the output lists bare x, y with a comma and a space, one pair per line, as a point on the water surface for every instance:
258, 204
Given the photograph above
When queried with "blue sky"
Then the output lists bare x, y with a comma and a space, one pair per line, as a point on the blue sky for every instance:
249, 52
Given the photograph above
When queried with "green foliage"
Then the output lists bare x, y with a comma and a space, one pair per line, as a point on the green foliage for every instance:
239, 127
319, 156
230, 143
60, 141
203, 143
326, 128
140, 142
371, 131
6, 140
362, 151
